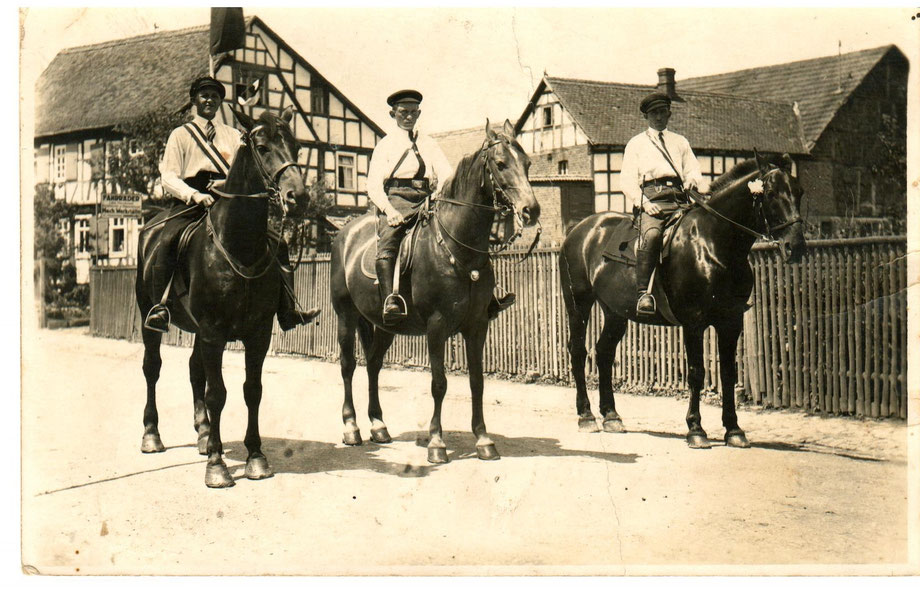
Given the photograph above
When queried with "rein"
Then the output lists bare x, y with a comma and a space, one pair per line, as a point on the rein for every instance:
767, 237
272, 193
499, 205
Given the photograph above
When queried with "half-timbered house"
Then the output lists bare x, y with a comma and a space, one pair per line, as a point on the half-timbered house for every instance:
86, 92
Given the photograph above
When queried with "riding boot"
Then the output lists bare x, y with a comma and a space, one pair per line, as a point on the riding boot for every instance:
157, 318
645, 264
497, 304
288, 314
392, 307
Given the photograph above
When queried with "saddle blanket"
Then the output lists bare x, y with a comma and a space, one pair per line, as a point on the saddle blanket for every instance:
369, 253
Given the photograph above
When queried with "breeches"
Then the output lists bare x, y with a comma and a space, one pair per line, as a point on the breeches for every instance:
388, 237
651, 228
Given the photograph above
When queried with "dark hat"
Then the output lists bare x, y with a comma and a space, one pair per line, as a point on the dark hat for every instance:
653, 101
204, 82
404, 95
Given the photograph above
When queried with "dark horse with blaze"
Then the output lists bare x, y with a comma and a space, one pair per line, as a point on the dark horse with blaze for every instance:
233, 283
447, 289
705, 277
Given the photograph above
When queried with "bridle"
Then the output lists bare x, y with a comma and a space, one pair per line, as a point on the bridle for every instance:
272, 184
768, 235
501, 205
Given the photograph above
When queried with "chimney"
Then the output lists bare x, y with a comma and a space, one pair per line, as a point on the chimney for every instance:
666, 83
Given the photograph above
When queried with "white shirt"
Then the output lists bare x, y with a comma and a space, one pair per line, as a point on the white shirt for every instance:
183, 158
643, 162
387, 154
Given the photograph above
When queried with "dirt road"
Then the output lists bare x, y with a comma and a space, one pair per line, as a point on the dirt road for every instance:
811, 493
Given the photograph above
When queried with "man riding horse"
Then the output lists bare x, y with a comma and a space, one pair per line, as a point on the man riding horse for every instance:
406, 168
658, 169
198, 156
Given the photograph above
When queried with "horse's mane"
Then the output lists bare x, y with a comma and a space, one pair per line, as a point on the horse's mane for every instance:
735, 173
461, 173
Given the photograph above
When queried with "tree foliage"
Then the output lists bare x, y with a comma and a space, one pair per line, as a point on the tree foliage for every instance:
60, 275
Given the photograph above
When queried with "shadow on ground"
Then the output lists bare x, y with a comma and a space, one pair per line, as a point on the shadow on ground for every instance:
296, 456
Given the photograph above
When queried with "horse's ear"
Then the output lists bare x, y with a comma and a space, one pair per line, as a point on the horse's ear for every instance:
786, 163
509, 129
287, 114
489, 133
244, 119
761, 165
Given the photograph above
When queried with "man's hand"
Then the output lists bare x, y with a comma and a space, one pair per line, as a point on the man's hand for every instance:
203, 198
650, 208
394, 216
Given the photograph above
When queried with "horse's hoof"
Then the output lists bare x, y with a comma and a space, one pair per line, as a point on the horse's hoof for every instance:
216, 476
380, 435
437, 455
352, 438
151, 444
203, 443
257, 468
698, 441
737, 439
487, 452
587, 424
614, 425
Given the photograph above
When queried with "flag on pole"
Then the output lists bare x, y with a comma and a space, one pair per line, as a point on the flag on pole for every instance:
228, 30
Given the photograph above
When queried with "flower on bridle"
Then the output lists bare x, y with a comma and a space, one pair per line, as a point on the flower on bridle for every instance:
756, 186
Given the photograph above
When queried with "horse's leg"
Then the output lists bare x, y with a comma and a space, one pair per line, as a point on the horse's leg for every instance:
256, 347
215, 396
197, 378
375, 342
693, 344
579, 311
151, 442
605, 353
728, 333
348, 319
475, 340
437, 337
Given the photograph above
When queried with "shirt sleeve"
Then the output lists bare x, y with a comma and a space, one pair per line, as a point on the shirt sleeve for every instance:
171, 169
376, 172
629, 174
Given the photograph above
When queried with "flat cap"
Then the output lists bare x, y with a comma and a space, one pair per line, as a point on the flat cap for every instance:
205, 82
653, 101
404, 95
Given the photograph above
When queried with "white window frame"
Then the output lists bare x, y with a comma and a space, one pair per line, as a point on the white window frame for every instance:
547, 109
81, 225
117, 223
354, 171
59, 164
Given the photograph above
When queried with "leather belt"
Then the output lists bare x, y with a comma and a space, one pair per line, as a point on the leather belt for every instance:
663, 182
413, 183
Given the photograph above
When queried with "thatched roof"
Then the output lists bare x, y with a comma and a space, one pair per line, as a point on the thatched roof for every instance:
98, 86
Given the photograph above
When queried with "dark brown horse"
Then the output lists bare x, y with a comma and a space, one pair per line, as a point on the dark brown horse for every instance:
706, 278
447, 289
233, 283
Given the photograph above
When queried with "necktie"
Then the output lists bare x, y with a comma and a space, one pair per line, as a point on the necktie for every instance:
210, 132
413, 136
663, 146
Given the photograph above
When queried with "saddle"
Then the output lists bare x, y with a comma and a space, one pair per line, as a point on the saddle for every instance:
403, 258
621, 247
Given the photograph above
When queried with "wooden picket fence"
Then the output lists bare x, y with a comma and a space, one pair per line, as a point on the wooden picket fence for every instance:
826, 335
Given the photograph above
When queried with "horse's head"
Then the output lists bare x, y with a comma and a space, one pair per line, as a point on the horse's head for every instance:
274, 153
780, 201
507, 165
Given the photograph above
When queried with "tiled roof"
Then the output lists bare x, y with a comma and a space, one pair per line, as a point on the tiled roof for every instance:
819, 85
100, 85
609, 114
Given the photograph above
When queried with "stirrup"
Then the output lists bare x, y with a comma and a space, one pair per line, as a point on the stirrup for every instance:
404, 310
165, 329
646, 312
